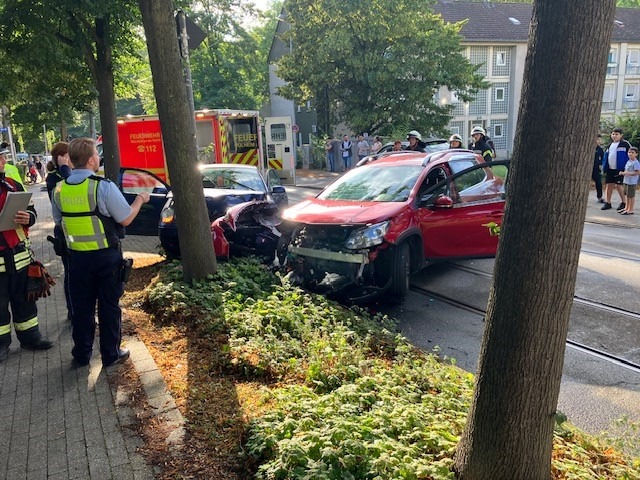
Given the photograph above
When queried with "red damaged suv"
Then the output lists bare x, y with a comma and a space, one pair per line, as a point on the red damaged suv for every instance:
368, 231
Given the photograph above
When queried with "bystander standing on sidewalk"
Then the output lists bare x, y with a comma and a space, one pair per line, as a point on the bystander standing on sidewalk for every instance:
613, 163
363, 147
596, 173
345, 148
630, 181
331, 156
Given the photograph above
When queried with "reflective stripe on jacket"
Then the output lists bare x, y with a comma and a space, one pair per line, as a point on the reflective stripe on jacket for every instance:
21, 259
81, 221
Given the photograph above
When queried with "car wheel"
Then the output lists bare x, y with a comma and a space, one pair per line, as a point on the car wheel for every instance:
400, 271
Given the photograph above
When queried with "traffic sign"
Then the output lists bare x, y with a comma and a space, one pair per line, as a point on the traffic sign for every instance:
295, 128
4, 129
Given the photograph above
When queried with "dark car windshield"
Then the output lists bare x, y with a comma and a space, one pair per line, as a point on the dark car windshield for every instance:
232, 179
373, 183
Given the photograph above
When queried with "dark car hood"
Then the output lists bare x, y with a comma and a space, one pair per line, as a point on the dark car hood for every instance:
219, 199
316, 211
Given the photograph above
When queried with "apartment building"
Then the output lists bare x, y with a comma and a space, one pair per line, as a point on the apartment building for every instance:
495, 37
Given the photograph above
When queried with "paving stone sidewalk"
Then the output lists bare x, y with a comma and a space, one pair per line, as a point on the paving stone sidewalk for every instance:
60, 422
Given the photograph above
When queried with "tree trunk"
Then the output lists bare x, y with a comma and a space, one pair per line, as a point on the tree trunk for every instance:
100, 65
509, 432
179, 138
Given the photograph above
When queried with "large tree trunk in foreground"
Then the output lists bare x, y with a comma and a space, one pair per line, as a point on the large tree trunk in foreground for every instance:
509, 432
179, 139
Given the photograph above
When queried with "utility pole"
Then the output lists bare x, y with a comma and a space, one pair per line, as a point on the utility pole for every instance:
46, 144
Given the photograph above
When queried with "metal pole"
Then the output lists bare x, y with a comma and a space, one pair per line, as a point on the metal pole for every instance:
92, 125
12, 146
46, 144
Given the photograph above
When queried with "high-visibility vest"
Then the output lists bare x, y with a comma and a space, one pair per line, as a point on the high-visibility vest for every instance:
12, 171
84, 227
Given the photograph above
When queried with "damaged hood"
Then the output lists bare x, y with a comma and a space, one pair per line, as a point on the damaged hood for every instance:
262, 211
316, 211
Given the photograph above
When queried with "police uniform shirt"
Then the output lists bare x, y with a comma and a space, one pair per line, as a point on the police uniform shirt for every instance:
111, 202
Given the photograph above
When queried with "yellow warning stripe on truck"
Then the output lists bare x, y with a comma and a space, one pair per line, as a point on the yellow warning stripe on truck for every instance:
275, 163
250, 157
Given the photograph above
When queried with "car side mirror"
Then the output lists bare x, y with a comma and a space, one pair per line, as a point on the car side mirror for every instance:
443, 201
160, 190
278, 189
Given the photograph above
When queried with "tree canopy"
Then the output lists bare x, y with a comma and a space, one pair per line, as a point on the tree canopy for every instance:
375, 64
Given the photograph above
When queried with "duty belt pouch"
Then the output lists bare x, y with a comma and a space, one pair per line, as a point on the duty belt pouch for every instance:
125, 269
59, 245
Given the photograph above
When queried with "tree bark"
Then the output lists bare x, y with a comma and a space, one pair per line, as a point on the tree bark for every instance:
509, 432
179, 139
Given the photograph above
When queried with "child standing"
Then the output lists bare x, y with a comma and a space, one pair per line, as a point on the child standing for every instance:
630, 180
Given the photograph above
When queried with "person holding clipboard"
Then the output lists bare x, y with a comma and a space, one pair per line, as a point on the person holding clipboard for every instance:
14, 260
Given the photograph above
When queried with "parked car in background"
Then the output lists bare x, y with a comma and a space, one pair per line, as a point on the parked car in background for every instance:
227, 185
367, 232
433, 144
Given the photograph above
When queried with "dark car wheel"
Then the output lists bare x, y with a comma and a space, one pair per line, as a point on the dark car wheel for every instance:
400, 271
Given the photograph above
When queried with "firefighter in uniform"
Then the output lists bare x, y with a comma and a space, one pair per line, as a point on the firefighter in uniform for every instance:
92, 211
14, 260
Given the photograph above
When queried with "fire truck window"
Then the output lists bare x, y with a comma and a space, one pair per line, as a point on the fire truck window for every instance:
244, 136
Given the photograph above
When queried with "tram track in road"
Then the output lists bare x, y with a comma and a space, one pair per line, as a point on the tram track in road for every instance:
582, 347
576, 298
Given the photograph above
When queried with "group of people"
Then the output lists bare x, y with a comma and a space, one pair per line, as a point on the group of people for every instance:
481, 144
621, 168
90, 214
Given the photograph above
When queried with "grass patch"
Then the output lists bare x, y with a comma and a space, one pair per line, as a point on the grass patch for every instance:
277, 383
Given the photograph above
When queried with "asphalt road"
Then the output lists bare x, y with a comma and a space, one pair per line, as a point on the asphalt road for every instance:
595, 392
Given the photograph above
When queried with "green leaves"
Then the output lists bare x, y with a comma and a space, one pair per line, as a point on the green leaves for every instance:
375, 64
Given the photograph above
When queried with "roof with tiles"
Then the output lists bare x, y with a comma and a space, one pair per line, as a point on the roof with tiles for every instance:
509, 22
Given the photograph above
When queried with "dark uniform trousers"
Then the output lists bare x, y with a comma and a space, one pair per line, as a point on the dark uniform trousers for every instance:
94, 276
13, 290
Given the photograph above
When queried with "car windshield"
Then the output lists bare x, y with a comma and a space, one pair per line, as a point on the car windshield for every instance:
232, 179
373, 183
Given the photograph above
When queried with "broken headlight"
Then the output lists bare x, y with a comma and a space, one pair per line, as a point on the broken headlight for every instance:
368, 236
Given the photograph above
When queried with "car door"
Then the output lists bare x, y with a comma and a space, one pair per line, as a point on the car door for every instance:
133, 181
276, 189
458, 216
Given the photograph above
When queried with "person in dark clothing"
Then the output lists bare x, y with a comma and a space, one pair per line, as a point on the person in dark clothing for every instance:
15, 258
59, 170
58, 167
596, 174
92, 212
415, 142
480, 145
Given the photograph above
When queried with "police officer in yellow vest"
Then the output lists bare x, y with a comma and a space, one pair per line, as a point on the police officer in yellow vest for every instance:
14, 260
92, 212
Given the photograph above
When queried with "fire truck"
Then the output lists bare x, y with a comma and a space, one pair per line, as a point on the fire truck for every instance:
222, 135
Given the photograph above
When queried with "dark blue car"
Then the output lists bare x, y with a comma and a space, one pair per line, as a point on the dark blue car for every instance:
225, 185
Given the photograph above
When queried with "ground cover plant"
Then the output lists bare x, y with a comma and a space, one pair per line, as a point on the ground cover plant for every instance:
277, 383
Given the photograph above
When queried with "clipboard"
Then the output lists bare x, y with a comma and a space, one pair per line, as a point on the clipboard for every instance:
16, 201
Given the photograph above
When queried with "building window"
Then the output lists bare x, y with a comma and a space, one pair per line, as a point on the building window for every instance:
499, 94
501, 58
454, 130
612, 62
608, 98
497, 130
633, 57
